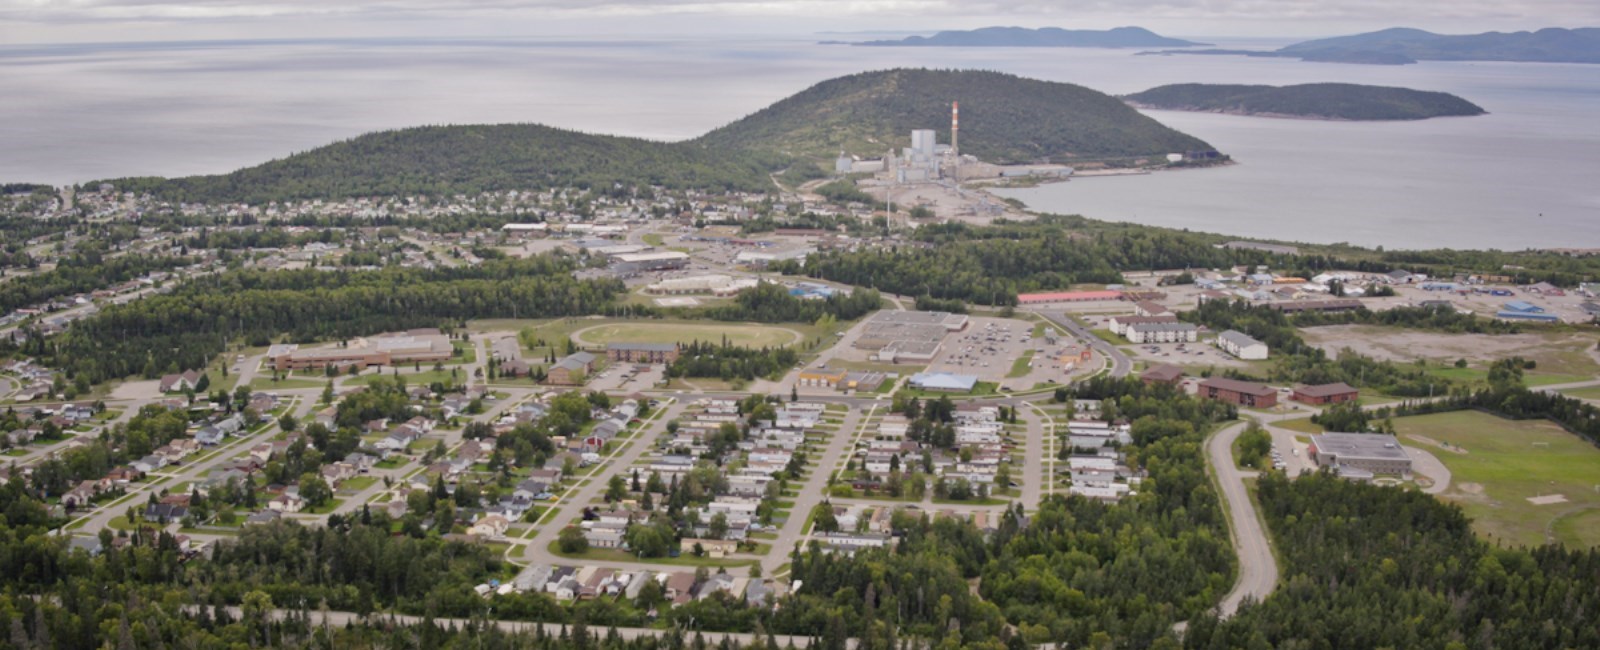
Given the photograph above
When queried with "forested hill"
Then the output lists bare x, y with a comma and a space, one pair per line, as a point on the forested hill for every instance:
1042, 37
1550, 45
1005, 118
469, 159
1322, 100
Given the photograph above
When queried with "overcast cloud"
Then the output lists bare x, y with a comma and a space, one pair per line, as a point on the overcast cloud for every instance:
36, 21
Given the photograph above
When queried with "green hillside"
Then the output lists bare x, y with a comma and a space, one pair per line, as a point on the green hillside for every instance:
1004, 118
469, 159
1322, 100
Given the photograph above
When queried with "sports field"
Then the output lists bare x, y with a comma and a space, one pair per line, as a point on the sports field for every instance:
1502, 463
669, 332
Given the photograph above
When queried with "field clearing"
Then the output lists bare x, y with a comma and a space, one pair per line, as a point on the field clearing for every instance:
1505, 463
668, 332
1591, 392
1560, 355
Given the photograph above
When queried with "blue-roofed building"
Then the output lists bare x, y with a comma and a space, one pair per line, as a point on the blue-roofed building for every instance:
944, 382
1524, 307
1524, 315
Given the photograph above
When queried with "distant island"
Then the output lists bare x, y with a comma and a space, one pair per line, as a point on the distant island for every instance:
1328, 101
1042, 37
1009, 119
1401, 45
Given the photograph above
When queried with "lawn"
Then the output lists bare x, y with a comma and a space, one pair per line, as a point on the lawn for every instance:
1022, 365
1592, 392
679, 332
653, 239
423, 378
1508, 461
982, 388
1302, 425
267, 383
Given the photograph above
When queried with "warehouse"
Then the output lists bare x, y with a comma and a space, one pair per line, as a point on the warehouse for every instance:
944, 382
415, 346
1360, 455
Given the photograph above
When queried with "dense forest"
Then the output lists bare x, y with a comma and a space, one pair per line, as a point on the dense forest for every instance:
1335, 101
81, 273
440, 160
769, 302
732, 362
1007, 119
1374, 567
188, 327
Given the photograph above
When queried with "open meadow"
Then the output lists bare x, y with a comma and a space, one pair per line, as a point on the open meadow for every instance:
1498, 465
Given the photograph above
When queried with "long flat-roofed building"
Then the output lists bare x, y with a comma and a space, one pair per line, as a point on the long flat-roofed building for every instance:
642, 352
659, 261
1241, 345
1360, 455
415, 346
1326, 394
1240, 393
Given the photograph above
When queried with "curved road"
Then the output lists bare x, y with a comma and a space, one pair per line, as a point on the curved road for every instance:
1258, 569
1121, 365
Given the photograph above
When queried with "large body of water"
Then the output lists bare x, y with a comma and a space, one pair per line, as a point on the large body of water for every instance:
1527, 175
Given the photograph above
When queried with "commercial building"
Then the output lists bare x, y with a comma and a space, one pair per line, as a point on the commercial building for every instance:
642, 352
641, 262
415, 346
571, 370
1066, 296
1239, 393
1360, 455
1150, 308
908, 336
1325, 394
1241, 345
713, 284
842, 380
944, 382
1163, 333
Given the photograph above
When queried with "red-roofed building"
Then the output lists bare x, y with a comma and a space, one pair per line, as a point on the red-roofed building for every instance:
1066, 296
1326, 394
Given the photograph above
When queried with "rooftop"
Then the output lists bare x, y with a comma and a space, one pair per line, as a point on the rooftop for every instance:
1236, 386
1371, 446
1326, 390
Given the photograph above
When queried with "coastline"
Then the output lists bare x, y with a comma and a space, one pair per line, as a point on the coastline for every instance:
1286, 116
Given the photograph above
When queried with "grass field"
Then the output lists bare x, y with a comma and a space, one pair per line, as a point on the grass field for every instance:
668, 332
1022, 365
1508, 461
1592, 392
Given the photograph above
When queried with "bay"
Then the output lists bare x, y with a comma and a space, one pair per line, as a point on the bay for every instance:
1527, 175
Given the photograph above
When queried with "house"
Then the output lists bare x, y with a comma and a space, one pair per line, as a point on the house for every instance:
209, 436
715, 548
163, 513
1325, 394
1241, 345
491, 526
679, 586
571, 370
262, 517
604, 536
287, 502
87, 543
187, 380
81, 495
1239, 393
1162, 374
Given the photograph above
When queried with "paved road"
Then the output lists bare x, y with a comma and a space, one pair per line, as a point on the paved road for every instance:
341, 619
1121, 365
538, 548
1258, 570
840, 445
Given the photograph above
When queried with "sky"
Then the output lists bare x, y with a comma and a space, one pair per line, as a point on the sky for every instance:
68, 21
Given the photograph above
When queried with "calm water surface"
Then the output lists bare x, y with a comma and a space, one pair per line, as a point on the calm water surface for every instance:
1528, 175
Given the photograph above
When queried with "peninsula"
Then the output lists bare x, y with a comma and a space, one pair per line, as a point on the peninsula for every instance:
1402, 45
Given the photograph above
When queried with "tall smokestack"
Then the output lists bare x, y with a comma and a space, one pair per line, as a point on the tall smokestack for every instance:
955, 128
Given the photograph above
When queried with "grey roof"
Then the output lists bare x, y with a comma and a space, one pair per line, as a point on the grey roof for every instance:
576, 361
1360, 446
1238, 338
1163, 327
